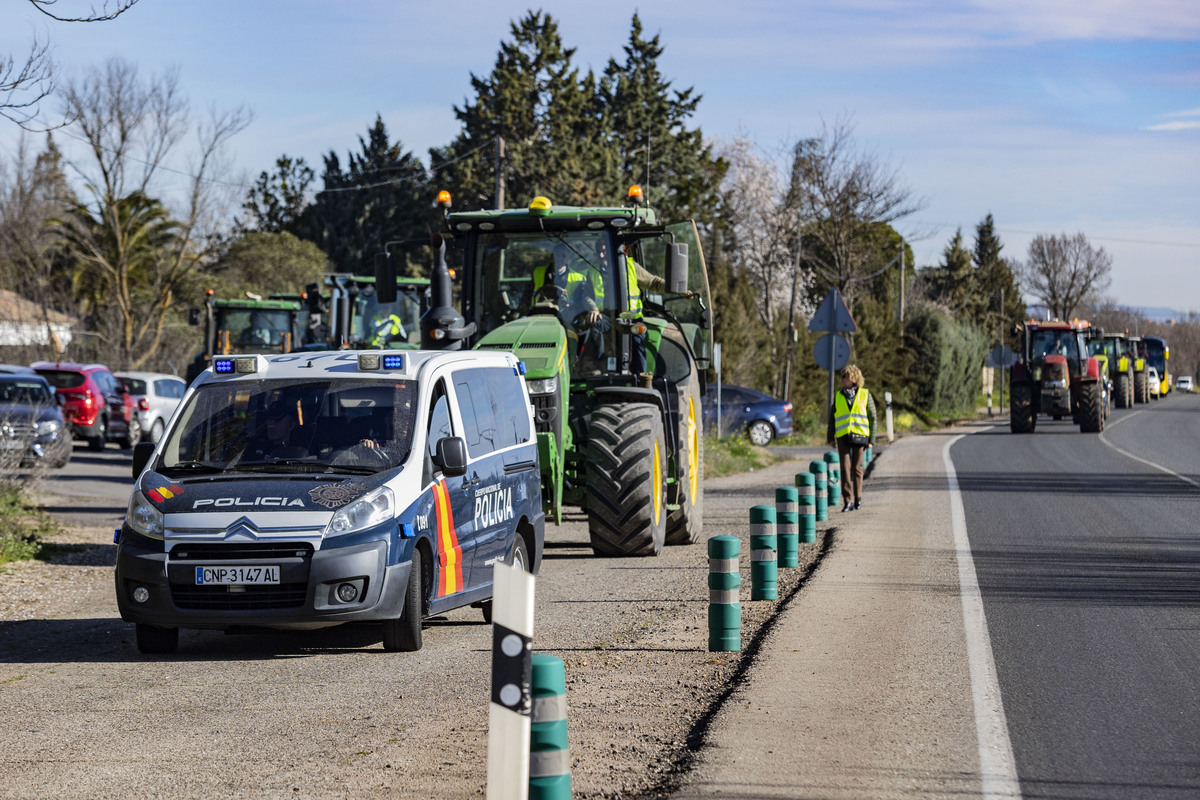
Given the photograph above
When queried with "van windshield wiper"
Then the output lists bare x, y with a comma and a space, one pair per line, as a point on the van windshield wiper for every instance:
194, 467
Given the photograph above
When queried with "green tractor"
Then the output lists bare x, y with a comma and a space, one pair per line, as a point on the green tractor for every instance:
1116, 348
250, 325
608, 309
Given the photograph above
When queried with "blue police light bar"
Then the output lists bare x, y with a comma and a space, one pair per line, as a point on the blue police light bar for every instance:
521, 367
374, 361
228, 366
393, 362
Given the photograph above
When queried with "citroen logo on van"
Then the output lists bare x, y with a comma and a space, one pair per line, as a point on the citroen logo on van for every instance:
243, 527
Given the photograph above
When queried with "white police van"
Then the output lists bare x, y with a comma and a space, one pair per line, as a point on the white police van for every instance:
311, 489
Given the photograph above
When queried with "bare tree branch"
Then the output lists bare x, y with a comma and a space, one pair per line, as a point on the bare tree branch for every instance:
109, 10
840, 193
1065, 271
23, 86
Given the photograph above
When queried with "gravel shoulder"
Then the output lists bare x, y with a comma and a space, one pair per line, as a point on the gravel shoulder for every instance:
329, 714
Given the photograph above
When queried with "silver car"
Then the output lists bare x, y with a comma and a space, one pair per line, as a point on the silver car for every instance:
156, 395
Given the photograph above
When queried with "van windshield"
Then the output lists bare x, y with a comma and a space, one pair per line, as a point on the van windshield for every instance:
334, 425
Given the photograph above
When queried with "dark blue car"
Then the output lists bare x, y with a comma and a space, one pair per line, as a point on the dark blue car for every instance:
743, 410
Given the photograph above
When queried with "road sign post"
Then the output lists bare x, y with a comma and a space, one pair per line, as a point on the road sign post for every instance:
832, 352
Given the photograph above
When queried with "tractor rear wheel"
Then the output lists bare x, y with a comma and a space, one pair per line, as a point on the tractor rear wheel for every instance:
1091, 410
1020, 409
1123, 392
685, 524
1141, 388
626, 480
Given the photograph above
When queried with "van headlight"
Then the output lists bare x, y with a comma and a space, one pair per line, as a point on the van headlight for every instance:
143, 517
373, 508
544, 385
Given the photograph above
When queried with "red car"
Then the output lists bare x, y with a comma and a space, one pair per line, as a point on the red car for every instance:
94, 403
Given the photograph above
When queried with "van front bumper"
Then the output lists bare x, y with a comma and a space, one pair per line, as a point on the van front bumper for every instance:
306, 596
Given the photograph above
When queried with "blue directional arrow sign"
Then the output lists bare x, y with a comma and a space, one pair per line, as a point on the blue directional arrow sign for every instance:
833, 315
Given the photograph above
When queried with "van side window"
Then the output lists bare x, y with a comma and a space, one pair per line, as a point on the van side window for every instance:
494, 409
511, 407
439, 418
475, 404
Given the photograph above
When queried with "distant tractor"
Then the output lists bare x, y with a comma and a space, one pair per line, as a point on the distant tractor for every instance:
1056, 377
1118, 352
1141, 369
245, 326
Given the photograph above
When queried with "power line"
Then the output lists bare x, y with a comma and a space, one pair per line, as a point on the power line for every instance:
1040, 233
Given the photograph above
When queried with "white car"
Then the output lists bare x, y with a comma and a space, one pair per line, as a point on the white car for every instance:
1184, 384
156, 395
1152, 382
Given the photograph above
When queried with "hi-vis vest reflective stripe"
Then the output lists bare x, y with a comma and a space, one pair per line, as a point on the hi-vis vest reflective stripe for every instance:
851, 419
574, 278
635, 291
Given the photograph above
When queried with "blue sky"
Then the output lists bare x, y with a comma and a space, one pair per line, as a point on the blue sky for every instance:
1057, 117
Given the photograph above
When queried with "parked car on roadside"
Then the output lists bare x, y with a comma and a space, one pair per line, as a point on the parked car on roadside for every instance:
156, 395
1184, 384
743, 410
12, 369
94, 403
32, 428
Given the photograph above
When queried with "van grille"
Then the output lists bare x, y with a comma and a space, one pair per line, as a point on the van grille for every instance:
254, 598
242, 551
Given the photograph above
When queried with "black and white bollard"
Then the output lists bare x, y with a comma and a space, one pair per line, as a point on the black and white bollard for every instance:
512, 674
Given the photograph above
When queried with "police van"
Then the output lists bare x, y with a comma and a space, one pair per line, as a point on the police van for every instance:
311, 489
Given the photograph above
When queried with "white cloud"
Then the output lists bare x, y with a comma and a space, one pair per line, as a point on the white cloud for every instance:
1174, 126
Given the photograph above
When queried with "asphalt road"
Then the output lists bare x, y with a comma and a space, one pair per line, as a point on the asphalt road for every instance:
1087, 553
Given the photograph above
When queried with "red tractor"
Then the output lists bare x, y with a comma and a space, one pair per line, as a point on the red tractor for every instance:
1055, 376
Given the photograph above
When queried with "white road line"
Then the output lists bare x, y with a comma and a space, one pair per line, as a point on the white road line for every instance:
998, 769
1128, 454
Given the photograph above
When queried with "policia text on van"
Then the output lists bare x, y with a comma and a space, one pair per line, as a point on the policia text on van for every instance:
311, 489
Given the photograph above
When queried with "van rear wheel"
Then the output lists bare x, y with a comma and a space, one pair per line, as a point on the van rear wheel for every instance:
519, 558
403, 634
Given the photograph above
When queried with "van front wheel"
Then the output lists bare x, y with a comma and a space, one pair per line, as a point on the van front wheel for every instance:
403, 634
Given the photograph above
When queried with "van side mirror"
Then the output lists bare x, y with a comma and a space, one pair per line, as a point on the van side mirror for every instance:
451, 457
385, 278
141, 457
677, 267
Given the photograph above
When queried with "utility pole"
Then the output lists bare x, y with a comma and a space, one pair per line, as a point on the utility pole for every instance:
900, 308
499, 173
787, 371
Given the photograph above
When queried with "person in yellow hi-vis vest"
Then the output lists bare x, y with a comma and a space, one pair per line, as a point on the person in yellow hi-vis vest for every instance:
852, 426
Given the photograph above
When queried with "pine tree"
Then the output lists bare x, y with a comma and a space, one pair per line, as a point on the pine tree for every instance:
383, 195
649, 134
995, 282
547, 116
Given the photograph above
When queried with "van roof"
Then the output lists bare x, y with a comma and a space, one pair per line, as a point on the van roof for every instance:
407, 364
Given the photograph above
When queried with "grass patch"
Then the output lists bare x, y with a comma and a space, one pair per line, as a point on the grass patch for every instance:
730, 454
22, 527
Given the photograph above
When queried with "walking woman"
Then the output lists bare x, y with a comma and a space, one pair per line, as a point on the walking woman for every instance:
852, 426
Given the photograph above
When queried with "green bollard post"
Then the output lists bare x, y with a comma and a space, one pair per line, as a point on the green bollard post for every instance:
724, 584
806, 485
833, 466
549, 756
787, 525
817, 468
764, 549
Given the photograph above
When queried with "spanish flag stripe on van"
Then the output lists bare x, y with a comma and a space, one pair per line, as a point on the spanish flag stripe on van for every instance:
450, 577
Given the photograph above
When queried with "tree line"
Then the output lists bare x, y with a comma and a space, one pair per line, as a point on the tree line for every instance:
100, 237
